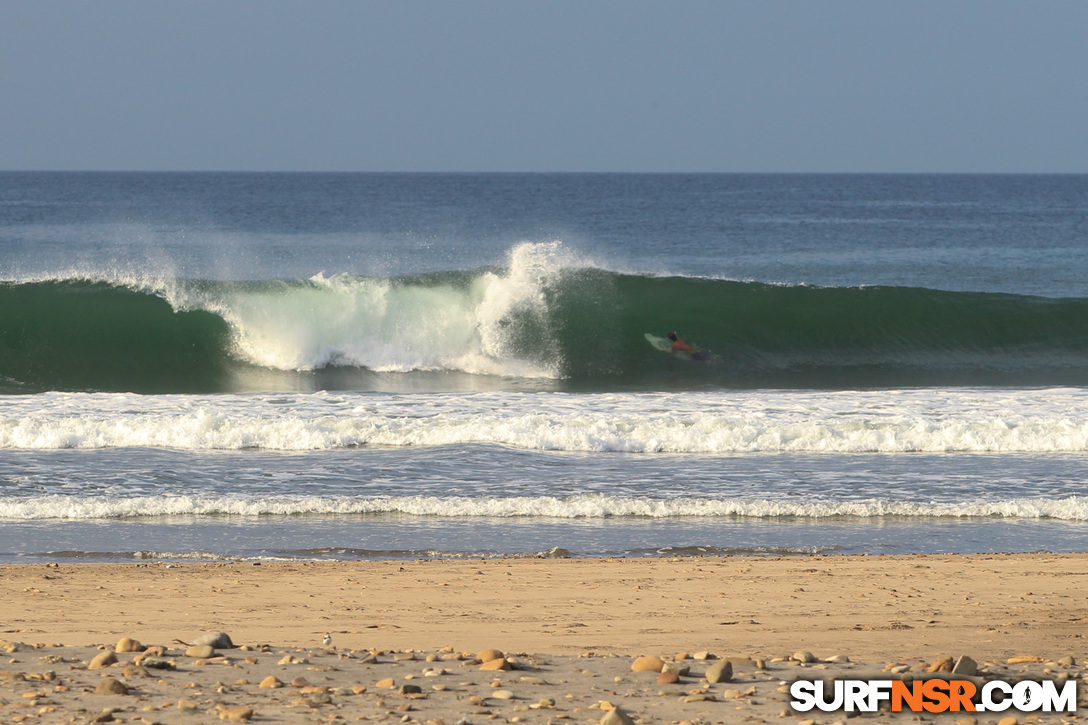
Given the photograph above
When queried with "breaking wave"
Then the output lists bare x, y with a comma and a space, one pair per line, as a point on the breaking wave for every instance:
545, 320
585, 506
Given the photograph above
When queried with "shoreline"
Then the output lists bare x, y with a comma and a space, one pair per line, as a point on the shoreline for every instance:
570, 631
872, 606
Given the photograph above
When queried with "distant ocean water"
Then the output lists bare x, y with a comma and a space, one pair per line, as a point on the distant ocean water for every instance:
226, 366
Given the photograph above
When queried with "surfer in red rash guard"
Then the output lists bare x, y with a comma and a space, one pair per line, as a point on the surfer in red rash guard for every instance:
679, 345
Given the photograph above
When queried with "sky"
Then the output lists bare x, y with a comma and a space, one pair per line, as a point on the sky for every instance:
977, 86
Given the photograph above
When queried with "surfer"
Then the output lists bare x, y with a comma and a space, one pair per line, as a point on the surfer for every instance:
679, 345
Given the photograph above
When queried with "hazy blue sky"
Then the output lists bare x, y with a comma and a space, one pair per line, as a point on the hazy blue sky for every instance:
547, 85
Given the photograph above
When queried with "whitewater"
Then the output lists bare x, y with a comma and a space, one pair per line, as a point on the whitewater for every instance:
220, 366
887, 421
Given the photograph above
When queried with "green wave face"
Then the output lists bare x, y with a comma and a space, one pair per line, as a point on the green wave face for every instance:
574, 329
762, 335
74, 335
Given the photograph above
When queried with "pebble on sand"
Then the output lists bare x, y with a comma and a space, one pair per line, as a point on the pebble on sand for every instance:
965, 666
235, 714
102, 660
128, 644
616, 716
487, 655
110, 686
647, 663
720, 671
500, 663
944, 664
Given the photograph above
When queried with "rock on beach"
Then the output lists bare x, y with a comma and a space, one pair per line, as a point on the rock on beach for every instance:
215, 640
616, 716
720, 671
102, 660
668, 678
110, 686
647, 663
128, 644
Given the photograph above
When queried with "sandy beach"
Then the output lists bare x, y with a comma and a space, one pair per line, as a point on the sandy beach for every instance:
569, 630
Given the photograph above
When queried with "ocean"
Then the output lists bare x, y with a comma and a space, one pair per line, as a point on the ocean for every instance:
248, 366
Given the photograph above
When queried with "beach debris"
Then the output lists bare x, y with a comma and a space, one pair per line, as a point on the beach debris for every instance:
804, 657
532, 680
493, 696
155, 650
700, 697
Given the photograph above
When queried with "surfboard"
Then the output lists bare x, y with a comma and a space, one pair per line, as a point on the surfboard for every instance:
660, 343
665, 345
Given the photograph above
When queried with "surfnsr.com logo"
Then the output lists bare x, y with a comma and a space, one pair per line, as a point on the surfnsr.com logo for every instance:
933, 695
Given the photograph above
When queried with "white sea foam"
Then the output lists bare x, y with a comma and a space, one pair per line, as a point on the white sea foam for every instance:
383, 324
389, 325
585, 506
934, 421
